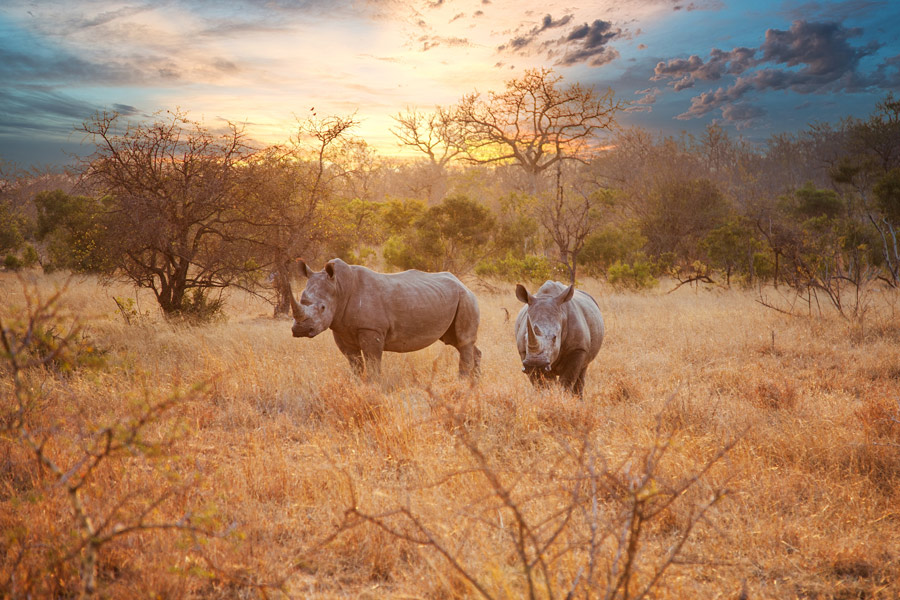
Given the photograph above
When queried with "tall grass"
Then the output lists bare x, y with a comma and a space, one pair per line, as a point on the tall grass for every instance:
312, 483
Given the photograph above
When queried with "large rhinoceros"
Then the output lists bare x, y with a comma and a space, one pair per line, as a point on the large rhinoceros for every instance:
371, 312
558, 333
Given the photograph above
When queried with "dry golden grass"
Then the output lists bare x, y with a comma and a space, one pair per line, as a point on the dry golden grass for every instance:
314, 475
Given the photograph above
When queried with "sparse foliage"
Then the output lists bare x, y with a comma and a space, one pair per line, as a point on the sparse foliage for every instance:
171, 216
74, 458
437, 135
284, 193
591, 544
535, 123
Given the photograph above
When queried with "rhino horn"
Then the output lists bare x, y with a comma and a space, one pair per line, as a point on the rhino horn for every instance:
533, 345
295, 308
286, 282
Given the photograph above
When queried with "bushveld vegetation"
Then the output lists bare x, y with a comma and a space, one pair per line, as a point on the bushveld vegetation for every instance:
162, 435
534, 181
722, 449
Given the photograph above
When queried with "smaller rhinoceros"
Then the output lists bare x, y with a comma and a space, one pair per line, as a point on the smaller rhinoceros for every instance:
558, 333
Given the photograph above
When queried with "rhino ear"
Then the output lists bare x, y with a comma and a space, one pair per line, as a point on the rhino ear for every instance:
522, 294
304, 268
566, 295
329, 268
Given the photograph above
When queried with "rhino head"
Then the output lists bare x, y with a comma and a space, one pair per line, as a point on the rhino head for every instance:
315, 311
543, 328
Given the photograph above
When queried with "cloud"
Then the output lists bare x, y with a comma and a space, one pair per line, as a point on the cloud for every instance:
589, 43
107, 17
808, 58
126, 110
433, 41
742, 112
823, 48
59, 112
525, 40
648, 96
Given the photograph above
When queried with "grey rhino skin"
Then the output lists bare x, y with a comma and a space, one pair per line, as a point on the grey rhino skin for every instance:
559, 332
371, 312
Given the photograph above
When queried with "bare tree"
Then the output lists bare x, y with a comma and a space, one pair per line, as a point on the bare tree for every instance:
535, 123
570, 217
437, 135
169, 185
282, 193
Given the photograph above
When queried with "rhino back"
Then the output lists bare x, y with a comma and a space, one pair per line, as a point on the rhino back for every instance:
411, 309
586, 319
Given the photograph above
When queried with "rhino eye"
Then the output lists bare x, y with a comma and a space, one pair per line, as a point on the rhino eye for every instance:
322, 307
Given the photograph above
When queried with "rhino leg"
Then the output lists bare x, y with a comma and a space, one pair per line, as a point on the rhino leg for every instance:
469, 361
462, 333
351, 351
572, 375
371, 344
578, 388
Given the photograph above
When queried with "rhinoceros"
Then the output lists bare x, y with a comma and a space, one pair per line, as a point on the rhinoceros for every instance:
371, 312
558, 333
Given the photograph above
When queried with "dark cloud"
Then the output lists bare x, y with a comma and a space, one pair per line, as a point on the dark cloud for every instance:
823, 48
525, 40
55, 107
549, 23
126, 110
49, 65
688, 71
38, 124
589, 43
807, 58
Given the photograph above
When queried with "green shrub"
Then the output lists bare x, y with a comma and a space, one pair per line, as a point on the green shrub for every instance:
635, 276
449, 236
610, 245
763, 265
59, 351
74, 230
529, 268
12, 262
29, 256
198, 307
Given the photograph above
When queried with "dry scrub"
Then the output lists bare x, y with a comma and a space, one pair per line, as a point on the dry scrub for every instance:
722, 450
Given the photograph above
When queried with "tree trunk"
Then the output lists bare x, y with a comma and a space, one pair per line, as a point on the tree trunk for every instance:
283, 290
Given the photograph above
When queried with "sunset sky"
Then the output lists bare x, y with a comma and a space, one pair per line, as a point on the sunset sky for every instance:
756, 67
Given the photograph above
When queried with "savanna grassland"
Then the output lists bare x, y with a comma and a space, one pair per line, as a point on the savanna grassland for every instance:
722, 450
